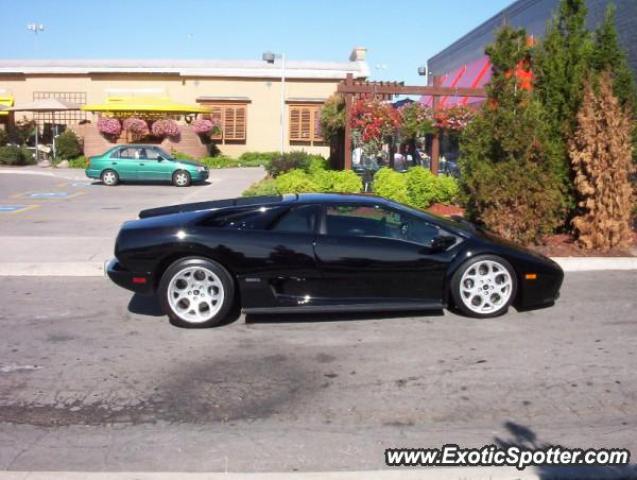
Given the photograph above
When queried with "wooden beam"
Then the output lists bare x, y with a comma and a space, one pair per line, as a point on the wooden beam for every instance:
361, 88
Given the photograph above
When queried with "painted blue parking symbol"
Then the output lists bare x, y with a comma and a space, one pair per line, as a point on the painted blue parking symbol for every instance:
11, 208
49, 195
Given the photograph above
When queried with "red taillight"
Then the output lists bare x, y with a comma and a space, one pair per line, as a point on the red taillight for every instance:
140, 280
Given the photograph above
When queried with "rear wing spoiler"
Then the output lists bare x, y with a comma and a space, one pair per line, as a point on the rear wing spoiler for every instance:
211, 205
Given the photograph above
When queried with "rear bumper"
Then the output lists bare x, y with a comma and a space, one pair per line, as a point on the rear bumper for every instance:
92, 173
138, 282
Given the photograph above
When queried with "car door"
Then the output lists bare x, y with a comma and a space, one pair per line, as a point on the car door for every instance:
151, 165
375, 254
125, 162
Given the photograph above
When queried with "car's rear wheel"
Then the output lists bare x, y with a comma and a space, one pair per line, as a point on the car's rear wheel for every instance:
181, 178
484, 287
196, 293
109, 178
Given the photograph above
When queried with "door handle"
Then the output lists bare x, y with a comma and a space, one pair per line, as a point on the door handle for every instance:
141, 164
114, 163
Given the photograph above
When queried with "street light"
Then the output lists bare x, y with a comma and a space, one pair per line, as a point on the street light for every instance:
422, 71
270, 57
35, 27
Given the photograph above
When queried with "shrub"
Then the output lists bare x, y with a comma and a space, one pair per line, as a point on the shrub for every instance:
337, 182
165, 127
264, 187
78, 162
293, 160
295, 181
137, 127
391, 184
4, 137
257, 159
67, 145
109, 126
181, 155
220, 161
10, 155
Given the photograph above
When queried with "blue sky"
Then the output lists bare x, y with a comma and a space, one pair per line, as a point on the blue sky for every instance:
400, 34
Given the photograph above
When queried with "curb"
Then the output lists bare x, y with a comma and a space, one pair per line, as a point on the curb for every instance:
53, 269
587, 264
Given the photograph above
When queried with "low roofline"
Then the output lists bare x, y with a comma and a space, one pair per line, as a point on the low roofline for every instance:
189, 68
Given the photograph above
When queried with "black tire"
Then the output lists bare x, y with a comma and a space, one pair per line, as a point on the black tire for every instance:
109, 177
459, 300
177, 178
181, 318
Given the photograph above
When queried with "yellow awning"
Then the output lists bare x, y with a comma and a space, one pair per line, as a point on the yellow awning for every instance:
5, 102
142, 105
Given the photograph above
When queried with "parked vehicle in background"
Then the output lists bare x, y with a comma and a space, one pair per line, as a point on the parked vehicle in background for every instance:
320, 253
141, 163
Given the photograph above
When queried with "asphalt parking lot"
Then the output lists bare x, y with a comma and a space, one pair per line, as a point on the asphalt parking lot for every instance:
93, 378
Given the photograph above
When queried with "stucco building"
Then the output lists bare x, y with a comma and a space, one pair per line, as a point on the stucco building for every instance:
245, 96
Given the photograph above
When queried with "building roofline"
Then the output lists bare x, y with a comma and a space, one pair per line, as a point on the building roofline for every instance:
188, 68
485, 27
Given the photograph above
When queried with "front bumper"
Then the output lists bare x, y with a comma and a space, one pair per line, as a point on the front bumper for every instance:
138, 282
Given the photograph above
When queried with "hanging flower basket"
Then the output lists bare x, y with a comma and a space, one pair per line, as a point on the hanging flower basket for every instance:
165, 128
137, 128
109, 127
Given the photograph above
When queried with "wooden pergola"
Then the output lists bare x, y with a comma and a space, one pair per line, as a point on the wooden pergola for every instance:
350, 88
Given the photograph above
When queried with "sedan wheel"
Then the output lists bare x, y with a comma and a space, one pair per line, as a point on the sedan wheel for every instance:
181, 178
484, 287
109, 178
196, 293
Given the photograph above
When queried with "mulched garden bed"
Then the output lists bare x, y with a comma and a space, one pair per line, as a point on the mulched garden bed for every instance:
558, 245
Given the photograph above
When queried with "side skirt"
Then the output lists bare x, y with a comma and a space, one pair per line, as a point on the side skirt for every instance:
367, 307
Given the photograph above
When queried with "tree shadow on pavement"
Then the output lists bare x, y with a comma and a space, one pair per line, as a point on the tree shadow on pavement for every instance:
525, 438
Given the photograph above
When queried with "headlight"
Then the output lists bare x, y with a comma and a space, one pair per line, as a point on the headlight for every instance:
201, 169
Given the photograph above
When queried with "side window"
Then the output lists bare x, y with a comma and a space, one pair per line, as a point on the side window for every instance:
129, 152
377, 221
254, 218
301, 219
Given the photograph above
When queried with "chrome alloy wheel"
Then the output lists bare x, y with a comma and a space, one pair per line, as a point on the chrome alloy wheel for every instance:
181, 179
109, 178
195, 294
486, 287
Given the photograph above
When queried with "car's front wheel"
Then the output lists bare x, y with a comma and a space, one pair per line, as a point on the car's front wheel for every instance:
109, 178
484, 287
196, 293
181, 178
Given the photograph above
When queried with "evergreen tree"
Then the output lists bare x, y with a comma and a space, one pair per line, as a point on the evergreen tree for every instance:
561, 64
510, 168
609, 56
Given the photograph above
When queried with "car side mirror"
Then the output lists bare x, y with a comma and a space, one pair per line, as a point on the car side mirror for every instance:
441, 243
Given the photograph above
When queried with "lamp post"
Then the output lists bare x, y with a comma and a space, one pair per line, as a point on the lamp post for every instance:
270, 57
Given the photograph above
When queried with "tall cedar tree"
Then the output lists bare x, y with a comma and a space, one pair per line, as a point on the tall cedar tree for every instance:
511, 179
601, 153
609, 56
560, 66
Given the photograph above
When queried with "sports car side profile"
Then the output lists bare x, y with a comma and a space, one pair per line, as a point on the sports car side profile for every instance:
322, 253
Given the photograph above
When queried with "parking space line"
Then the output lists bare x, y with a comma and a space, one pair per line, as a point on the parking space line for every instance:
32, 195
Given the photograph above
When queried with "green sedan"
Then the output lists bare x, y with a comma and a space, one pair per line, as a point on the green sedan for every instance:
144, 163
